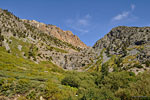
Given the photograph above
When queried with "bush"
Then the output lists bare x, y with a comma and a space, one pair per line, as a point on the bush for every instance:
32, 95
139, 88
105, 69
22, 86
131, 73
116, 80
138, 66
71, 80
51, 91
147, 63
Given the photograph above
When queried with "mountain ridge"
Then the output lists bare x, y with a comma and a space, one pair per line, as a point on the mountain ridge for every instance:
55, 31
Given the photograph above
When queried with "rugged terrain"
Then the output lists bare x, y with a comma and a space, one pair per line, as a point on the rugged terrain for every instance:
33, 57
55, 31
127, 48
40, 42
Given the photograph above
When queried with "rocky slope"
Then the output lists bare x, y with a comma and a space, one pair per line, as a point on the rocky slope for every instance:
55, 31
40, 42
130, 44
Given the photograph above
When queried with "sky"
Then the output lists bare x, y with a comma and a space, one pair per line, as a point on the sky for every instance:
90, 20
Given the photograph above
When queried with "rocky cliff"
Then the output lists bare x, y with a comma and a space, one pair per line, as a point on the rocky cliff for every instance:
55, 31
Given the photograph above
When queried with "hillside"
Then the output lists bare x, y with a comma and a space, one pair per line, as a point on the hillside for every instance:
40, 42
125, 48
66, 36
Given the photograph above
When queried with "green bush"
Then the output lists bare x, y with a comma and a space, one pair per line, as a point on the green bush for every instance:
131, 73
71, 80
105, 69
52, 92
116, 80
138, 66
32, 95
22, 86
147, 63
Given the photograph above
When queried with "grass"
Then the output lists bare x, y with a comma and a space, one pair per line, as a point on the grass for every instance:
14, 47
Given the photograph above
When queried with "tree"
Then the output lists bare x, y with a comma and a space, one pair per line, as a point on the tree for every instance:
71, 80
1, 39
104, 70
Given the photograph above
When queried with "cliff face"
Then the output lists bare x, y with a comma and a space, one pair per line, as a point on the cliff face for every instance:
55, 31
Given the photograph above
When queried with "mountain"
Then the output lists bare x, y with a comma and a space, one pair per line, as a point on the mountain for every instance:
131, 45
128, 46
40, 42
66, 36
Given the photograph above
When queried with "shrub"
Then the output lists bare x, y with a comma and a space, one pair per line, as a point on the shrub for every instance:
105, 69
22, 86
116, 80
138, 66
71, 80
32, 95
51, 91
131, 73
147, 63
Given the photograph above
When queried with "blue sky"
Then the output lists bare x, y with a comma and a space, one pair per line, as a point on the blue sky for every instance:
90, 20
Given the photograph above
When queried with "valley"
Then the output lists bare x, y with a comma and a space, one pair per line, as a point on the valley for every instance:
43, 62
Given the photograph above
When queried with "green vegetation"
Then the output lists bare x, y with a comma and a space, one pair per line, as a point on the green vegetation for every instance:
21, 76
96, 66
1, 38
31, 81
138, 66
147, 63
14, 47
56, 49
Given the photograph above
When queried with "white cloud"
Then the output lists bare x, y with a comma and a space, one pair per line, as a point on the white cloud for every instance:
83, 22
124, 14
121, 16
80, 24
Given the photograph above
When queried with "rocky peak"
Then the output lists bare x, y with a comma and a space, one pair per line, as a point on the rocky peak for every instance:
122, 37
55, 31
